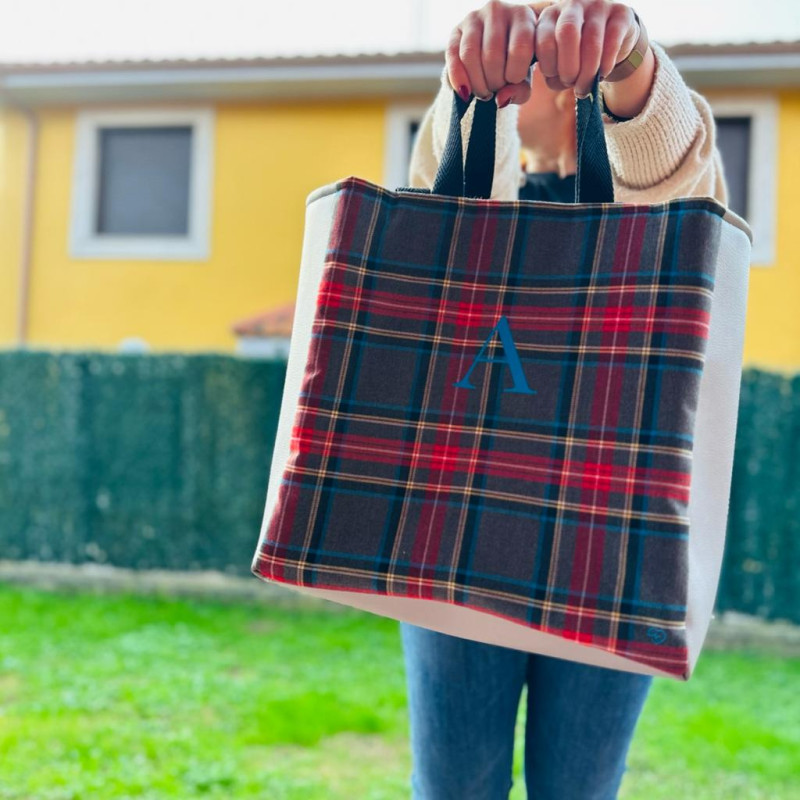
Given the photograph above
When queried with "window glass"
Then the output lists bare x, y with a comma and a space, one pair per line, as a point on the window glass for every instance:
733, 140
413, 128
144, 180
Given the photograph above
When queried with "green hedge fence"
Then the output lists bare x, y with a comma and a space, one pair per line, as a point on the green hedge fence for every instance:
161, 461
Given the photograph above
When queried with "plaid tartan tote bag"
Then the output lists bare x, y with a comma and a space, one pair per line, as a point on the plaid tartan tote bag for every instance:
513, 422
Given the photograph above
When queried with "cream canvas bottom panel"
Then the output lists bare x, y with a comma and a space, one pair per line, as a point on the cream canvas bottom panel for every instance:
479, 626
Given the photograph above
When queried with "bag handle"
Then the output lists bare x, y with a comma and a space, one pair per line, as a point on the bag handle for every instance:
474, 178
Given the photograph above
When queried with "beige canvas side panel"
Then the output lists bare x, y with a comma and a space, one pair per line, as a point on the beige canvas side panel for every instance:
715, 434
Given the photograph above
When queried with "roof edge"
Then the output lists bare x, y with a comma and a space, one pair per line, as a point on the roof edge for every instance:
768, 64
330, 59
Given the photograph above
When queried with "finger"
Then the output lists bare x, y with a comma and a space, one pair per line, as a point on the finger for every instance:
516, 93
555, 84
456, 72
568, 43
592, 36
619, 24
494, 46
544, 43
520, 45
470, 53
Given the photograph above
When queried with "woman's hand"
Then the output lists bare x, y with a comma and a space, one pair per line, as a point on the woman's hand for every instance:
491, 51
572, 40
576, 39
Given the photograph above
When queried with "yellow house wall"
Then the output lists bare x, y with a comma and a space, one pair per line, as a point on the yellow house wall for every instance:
267, 159
12, 166
772, 338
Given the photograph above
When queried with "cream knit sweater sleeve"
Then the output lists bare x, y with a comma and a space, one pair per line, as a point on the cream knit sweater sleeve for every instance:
667, 151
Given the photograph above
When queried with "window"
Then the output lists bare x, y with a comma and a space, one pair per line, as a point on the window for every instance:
413, 129
402, 124
142, 184
143, 179
733, 140
747, 141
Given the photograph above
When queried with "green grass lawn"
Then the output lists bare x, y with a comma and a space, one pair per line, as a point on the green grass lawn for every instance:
122, 696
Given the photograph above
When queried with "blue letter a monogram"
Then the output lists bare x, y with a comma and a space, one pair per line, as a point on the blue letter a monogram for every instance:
512, 359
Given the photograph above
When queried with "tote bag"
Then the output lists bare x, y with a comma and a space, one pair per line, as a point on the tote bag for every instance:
513, 422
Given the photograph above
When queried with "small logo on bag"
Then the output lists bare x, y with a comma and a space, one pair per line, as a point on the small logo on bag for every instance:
657, 635
511, 358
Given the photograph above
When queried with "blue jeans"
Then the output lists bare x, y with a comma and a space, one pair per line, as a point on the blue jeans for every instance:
463, 699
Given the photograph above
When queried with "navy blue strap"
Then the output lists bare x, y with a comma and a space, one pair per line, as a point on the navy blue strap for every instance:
593, 182
474, 178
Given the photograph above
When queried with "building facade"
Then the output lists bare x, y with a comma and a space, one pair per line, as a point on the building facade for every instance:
156, 205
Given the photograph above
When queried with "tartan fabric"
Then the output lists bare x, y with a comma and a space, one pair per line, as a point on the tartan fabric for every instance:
498, 410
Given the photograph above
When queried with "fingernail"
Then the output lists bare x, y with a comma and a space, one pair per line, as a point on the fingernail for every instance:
504, 103
463, 93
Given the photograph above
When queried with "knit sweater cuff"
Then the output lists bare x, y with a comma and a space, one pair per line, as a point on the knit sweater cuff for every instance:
647, 149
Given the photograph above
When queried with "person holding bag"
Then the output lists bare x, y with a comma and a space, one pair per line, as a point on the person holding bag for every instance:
660, 135
510, 424
666, 150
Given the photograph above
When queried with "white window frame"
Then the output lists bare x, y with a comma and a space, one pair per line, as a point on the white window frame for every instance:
763, 157
85, 242
399, 117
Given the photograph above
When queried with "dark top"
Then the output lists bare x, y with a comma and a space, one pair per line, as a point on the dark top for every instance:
548, 186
